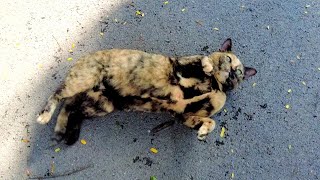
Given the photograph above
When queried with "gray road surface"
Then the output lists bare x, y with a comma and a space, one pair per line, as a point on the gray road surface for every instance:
264, 140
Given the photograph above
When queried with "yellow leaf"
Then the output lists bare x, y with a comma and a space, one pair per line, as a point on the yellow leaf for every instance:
287, 106
216, 29
154, 150
166, 2
223, 130
53, 167
139, 13
83, 141
40, 66
101, 33
232, 175
304, 83
254, 84
25, 140
70, 59
225, 110
183, 9
57, 150
73, 46
70, 50
289, 90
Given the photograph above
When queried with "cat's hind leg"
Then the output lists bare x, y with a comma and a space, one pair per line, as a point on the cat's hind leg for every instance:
63, 116
83, 76
204, 125
74, 111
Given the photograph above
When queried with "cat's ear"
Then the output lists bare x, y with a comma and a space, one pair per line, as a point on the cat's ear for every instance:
226, 46
248, 72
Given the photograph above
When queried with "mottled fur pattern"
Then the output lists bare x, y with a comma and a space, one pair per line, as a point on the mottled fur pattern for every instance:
193, 87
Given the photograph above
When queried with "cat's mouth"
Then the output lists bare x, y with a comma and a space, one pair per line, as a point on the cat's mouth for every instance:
232, 82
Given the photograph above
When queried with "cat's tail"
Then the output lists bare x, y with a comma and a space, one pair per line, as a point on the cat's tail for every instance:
46, 114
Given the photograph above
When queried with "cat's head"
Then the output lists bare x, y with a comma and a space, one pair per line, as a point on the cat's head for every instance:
226, 67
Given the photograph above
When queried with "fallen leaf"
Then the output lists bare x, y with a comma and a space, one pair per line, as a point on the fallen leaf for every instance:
223, 130
299, 56
40, 66
304, 83
73, 46
289, 146
154, 150
254, 84
232, 175
53, 167
25, 140
232, 151
289, 90
307, 6
216, 29
166, 2
70, 59
139, 13
183, 9
57, 150
287, 106
101, 33
153, 178
268, 27
70, 50
84, 142
319, 68
225, 110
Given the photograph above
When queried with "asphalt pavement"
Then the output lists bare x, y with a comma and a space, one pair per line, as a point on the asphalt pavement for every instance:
272, 121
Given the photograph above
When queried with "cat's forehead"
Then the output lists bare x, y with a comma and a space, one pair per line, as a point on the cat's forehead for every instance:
235, 62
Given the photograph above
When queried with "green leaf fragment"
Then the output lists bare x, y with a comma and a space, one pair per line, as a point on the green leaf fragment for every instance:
153, 178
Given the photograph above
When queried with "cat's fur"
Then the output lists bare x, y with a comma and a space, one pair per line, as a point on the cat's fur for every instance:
193, 87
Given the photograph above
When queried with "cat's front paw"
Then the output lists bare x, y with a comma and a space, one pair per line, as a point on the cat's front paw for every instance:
207, 66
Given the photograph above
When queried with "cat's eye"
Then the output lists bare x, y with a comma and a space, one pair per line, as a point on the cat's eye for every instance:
229, 58
238, 72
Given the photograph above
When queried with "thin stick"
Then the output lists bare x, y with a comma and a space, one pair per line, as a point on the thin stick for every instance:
162, 126
64, 174
57, 42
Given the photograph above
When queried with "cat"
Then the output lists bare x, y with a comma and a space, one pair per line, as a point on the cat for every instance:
192, 88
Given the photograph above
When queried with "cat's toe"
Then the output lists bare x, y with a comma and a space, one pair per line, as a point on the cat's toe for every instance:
60, 130
202, 137
203, 132
44, 118
71, 136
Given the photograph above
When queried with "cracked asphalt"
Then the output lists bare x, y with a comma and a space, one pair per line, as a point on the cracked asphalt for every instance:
270, 133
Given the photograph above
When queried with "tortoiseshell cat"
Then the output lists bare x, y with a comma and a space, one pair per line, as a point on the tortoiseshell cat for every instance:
192, 88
